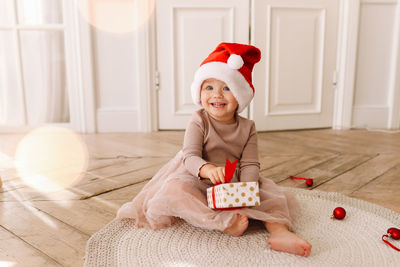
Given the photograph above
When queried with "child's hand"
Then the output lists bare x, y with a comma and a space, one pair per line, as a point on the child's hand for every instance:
215, 174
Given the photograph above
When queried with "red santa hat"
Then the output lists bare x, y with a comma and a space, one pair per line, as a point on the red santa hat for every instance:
233, 64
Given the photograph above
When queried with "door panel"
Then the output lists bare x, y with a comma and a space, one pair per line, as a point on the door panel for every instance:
293, 81
187, 31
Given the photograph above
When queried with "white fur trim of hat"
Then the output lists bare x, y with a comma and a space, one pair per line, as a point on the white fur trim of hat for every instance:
238, 85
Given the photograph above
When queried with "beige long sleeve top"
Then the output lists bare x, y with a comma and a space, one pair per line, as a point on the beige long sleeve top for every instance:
210, 141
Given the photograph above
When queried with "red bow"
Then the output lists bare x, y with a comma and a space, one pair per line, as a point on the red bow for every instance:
230, 168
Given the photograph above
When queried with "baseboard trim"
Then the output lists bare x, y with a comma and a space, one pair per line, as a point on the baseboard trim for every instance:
370, 117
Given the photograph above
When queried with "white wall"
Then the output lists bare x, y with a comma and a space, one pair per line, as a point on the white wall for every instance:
115, 76
376, 81
114, 38
375, 70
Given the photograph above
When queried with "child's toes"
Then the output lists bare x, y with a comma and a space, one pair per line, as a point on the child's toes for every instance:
243, 223
239, 225
243, 219
307, 248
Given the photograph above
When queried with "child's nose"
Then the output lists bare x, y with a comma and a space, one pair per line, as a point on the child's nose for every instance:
218, 93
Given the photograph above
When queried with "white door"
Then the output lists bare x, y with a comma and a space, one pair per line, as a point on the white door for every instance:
294, 79
187, 31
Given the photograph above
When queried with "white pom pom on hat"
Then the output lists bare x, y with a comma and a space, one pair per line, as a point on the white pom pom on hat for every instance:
235, 62
231, 63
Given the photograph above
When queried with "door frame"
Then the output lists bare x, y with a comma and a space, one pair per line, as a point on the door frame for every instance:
349, 12
146, 55
348, 30
394, 93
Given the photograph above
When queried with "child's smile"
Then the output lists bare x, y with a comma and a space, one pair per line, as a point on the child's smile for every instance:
218, 100
218, 104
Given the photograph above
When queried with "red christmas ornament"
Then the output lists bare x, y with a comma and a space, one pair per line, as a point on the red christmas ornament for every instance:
393, 233
309, 181
339, 213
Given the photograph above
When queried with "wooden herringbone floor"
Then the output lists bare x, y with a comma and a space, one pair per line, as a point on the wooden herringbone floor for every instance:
42, 229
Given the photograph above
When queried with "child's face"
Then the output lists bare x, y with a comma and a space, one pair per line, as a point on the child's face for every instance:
218, 100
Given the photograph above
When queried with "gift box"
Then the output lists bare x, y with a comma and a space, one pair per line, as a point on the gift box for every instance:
233, 195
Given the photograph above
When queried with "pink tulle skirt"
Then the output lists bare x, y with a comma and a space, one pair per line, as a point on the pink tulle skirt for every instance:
175, 193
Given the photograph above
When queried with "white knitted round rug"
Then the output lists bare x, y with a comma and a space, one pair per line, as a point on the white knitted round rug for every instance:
353, 241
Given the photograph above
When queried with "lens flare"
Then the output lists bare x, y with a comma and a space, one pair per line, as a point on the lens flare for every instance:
7, 263
116, 16
51, 158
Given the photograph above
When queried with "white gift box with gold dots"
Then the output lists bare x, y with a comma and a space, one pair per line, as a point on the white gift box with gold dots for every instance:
244, 194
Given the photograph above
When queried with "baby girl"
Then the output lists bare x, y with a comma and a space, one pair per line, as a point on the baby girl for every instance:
223, 87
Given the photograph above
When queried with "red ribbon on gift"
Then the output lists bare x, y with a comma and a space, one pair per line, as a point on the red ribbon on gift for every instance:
230, 168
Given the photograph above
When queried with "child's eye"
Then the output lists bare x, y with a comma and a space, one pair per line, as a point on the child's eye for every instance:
226, 88
209, 87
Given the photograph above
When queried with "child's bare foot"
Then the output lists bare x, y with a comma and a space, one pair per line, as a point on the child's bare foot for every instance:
281, 239
238, 227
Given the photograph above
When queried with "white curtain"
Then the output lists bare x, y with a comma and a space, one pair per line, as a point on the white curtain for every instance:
43, 64
10, 96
